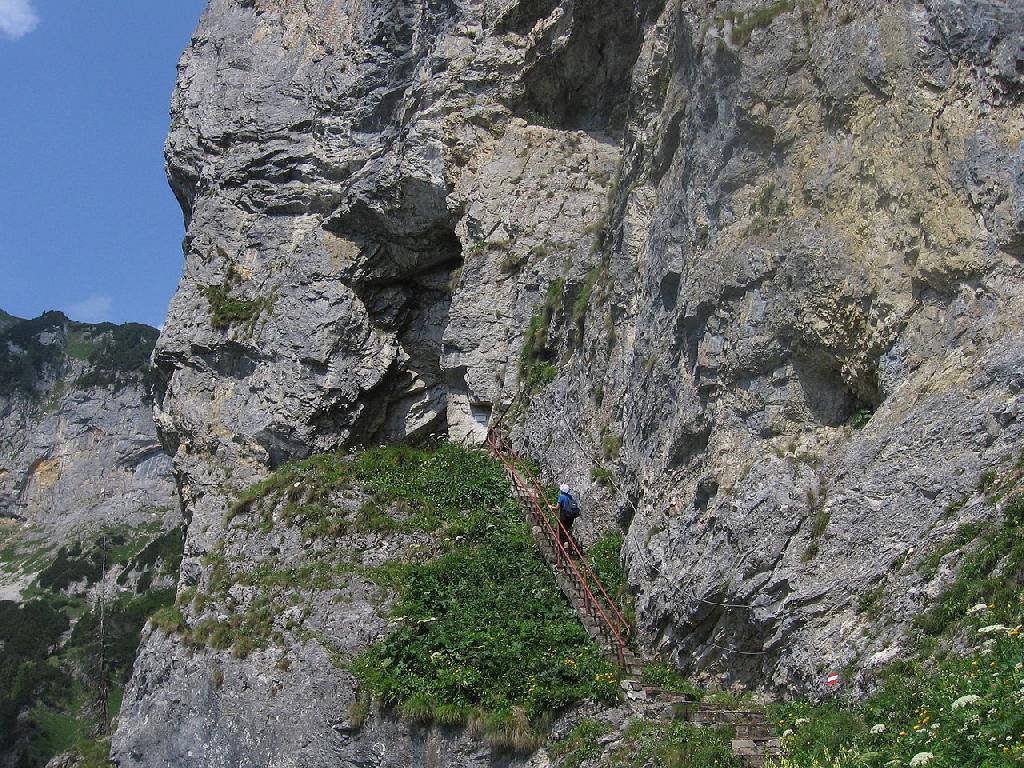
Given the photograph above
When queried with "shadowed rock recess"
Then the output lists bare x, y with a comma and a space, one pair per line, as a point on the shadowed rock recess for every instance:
755, 267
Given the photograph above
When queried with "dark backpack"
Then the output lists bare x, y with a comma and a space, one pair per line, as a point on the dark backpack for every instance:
574, 508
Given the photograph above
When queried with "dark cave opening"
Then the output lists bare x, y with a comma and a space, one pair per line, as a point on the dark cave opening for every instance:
831, 397
584, 83
407, 291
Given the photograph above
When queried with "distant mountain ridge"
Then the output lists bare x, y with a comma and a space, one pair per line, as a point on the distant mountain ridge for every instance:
36, 353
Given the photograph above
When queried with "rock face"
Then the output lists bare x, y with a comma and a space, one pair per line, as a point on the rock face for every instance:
759, 265
78, 446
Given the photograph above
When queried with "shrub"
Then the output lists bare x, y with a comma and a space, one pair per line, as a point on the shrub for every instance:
987, 480
227, 310
667, 677
860, 418
745, 24
674, 745
604, 477
811, 552
535, 366
580, 744
72, 565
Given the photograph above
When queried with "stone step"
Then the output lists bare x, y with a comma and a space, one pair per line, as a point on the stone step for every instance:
753, 731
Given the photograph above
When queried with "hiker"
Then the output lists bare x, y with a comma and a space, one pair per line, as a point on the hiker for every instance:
568, 511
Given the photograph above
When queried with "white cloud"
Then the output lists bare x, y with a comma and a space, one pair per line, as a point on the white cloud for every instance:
17, 18
95, 309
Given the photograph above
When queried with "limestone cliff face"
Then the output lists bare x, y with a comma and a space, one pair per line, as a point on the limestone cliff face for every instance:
78, 447
689, 244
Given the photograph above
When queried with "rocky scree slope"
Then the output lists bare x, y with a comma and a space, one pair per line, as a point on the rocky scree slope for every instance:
748, 275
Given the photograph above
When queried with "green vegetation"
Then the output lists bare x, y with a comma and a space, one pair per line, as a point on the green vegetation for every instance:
33, 350
118, 354
24, 359
819, 524
536, 366
965, 535
606, 559
667, 677
513, 261
51, 680
578, 314
20, 552
649, 744
964, 712
604, 477
959, 709
611, 446
810, 552
427, 487
27, 633
71, 566
580, 744
870, 603
745, 23
860, 418
484, 634
227, 310
987, 480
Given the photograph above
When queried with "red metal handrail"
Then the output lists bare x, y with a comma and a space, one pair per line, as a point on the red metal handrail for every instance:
530, 488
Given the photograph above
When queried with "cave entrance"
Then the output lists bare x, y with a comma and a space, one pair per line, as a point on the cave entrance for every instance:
584, 82
407, 292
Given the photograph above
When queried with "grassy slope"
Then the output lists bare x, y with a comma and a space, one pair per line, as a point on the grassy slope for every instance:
482, 632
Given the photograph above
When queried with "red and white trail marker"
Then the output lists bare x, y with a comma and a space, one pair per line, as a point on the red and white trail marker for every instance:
832, 680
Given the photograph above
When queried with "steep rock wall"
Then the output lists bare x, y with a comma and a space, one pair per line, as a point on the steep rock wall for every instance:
734, 228
78, 447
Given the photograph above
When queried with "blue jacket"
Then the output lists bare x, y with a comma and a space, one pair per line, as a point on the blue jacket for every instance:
567, 507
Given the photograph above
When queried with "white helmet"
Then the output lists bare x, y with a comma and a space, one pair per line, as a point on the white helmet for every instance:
563, 488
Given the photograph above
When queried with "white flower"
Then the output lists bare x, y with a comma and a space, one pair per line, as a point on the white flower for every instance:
878, 728
920, 759
787, 733
991, 628
965, 701
801, 721
977, 609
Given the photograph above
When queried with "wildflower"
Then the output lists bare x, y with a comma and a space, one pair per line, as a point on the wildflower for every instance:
878, 728
920, 759
787, 733
965, 701
801, 721
991, 628
903, 733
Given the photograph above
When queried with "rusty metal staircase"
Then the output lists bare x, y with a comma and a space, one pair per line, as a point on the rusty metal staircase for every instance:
581, 586
604, 622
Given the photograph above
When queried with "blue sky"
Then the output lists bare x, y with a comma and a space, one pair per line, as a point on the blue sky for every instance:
88, 224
